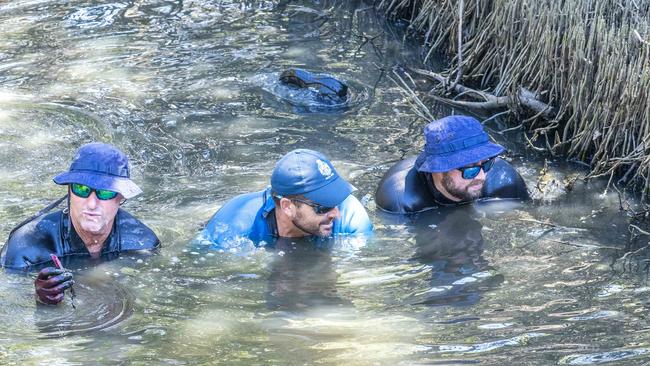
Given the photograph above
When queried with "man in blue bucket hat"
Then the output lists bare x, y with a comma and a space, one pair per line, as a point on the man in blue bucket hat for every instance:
93, 226
459, 164
307, 198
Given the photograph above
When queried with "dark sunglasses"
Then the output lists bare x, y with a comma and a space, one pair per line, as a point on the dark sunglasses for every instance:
319, 209
470, 172
83, 191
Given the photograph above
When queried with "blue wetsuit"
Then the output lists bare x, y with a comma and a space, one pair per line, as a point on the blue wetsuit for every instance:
404, 189
252, 216
29, 247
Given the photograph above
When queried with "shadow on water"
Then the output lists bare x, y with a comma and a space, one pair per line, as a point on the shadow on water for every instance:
450, 242
302, 276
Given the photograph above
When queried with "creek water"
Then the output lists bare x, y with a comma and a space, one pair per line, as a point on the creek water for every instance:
186, 89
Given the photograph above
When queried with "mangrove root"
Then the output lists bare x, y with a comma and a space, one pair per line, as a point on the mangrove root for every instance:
489, 101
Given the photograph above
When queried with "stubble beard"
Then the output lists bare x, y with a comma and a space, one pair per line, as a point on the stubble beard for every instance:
462, 192
310, 229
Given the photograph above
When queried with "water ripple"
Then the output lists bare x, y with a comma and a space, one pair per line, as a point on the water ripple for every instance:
99, 303
95, 16
521, 340
596, 315
603, 357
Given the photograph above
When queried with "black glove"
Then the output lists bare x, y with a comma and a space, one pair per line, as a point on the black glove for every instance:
51, 283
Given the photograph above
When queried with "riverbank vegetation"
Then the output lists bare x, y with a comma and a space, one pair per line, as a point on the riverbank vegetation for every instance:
573, 74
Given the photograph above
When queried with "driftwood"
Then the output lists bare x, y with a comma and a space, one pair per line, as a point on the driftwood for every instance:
489, 101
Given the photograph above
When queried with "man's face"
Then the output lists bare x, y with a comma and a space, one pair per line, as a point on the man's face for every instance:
311, 223
461, 188
92, 215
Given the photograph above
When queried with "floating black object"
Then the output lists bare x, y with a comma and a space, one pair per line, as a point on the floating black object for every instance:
326, 85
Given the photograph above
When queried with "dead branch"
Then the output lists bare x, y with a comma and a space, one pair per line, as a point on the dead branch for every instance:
524, 97
459, 73
419, 107
629, 254
639, 230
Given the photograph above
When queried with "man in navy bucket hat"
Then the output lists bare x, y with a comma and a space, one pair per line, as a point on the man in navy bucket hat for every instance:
459, 164
101, 166
92, 227
307, 198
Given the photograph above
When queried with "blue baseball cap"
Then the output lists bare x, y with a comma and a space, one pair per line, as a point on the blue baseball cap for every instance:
100, 166
454, 142
309, 173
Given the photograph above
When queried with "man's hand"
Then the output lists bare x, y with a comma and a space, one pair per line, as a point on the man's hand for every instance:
51, 284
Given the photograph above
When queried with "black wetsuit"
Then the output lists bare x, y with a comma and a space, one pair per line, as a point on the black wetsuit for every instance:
30, 246
405, 190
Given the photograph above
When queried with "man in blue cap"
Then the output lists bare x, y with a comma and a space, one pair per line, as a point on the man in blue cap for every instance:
307, 197
93, 226
459, 164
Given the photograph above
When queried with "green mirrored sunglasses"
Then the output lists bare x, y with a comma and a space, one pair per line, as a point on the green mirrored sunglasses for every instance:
84, 191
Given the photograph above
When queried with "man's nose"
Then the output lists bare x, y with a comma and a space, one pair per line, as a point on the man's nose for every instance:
481, 174
334, 214
92, 201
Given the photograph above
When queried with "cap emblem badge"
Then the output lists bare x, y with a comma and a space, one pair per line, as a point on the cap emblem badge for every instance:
324, 169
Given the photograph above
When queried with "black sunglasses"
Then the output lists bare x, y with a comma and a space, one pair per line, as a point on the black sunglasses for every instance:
470, 172
319, 209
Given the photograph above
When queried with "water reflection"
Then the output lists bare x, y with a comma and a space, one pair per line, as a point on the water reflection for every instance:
448, 240
454, 250
302, 275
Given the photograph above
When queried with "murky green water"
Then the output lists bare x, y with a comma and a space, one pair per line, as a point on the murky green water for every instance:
180, 86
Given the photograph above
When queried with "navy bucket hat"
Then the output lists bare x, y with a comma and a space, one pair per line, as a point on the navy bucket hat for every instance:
454, 142
309, 173
100, 166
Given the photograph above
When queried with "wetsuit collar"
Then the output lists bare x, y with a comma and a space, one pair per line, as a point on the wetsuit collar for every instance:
269, 204
272, 224
268, 212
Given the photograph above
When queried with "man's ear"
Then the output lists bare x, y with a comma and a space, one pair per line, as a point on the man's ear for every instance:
437, 179
287, 206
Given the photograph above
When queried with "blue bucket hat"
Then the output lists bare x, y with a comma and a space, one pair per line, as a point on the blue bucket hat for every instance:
100, 166
309, 173
454, 142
